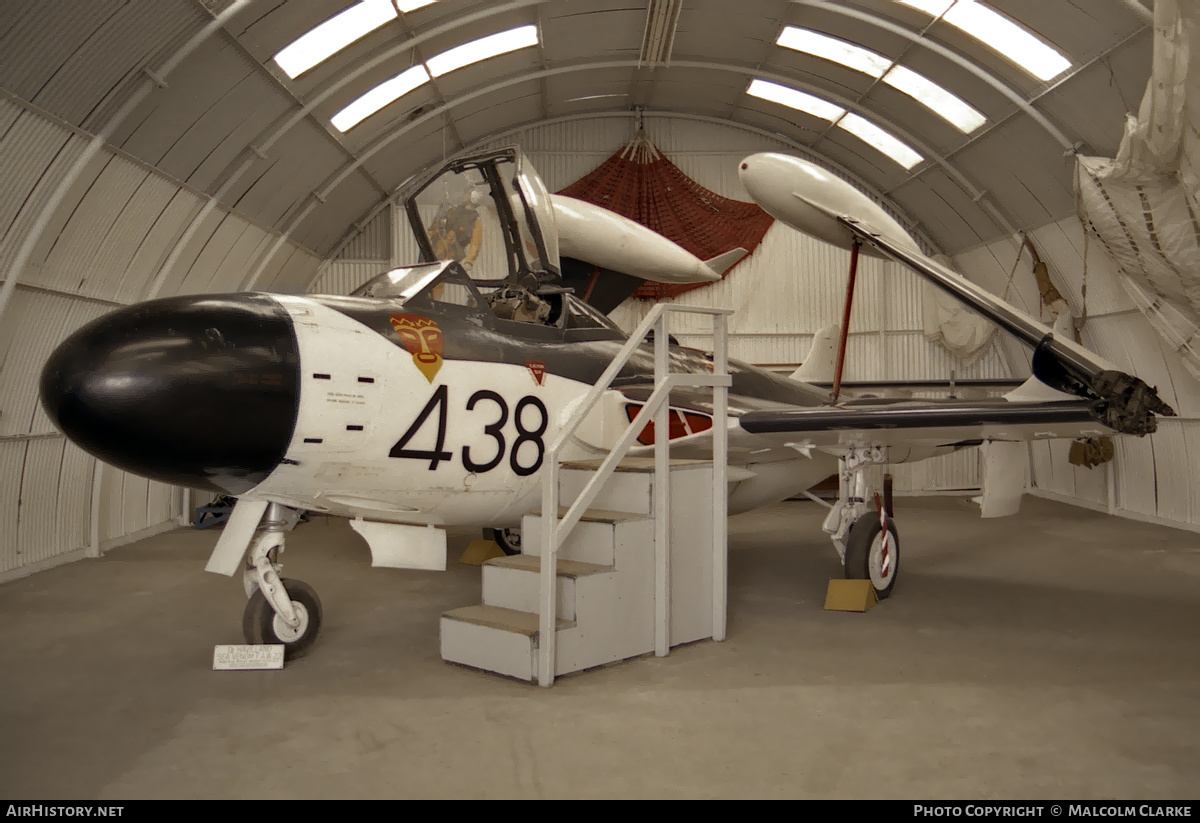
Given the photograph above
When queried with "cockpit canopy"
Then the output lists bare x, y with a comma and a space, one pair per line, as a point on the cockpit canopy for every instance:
491, 213
488, 222
445, 287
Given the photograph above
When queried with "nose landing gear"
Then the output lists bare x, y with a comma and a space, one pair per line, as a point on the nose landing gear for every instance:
280, 610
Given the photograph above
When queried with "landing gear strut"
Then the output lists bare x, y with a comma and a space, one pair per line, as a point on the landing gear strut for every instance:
280, 610
860, 523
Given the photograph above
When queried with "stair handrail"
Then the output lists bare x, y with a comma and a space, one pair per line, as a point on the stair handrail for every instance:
556, 530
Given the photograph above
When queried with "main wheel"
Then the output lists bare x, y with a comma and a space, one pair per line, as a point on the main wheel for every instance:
509, 540
260, 624
868, 559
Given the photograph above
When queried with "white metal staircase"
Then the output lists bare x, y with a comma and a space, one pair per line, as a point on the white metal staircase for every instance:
612, 575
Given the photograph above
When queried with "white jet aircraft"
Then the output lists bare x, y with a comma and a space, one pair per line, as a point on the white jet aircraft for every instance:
427, 398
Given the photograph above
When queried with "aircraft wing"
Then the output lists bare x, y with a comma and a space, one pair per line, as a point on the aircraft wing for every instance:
916, 430
912, 429
809, 199
924, 423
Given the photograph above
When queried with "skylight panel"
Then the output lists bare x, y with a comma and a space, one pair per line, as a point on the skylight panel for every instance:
965, 117
942, 102
860, 127
794, 99
491, 46
386, 92
339, 31
333, 35
831, 48
998, 32
391, 90
880, 140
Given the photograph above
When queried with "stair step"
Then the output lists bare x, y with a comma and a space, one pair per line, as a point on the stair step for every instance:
628, 489
516, 583
494, 639
599, 538
505, 620
596, 515
533, 563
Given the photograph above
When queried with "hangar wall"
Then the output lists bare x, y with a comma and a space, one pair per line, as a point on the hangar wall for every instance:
121, 232
791, 287
1156, 477
143, 216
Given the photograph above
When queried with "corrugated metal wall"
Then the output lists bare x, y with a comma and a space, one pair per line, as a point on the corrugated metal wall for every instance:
112, 235
790, 288
1155, 477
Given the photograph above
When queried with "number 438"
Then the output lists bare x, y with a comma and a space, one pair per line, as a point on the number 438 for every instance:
439, 402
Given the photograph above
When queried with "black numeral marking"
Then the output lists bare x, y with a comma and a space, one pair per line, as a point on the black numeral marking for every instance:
493, 430
525, 435
439, 453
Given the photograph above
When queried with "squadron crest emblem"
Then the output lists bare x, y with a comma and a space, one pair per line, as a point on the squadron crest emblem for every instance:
423, 340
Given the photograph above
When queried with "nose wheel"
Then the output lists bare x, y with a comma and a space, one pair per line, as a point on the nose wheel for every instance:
261, 624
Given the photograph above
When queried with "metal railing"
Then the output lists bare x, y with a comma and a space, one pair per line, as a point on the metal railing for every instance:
555, 530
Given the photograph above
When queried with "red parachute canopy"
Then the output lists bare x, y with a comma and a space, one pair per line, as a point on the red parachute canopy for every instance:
640, 183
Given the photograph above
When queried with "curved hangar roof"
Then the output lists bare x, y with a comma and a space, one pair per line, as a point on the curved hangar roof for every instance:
305, 116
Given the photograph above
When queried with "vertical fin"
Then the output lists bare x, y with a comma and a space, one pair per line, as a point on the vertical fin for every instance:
818, 366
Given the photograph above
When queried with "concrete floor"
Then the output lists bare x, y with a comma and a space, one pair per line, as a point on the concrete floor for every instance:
1050, 655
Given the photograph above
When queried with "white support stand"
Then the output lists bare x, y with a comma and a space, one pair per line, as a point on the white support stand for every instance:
631, 579
609, 602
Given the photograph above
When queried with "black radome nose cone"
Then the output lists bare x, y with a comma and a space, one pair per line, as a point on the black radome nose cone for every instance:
196, 391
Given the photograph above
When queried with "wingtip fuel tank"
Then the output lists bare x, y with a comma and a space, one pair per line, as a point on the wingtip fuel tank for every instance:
810, 199
602, 237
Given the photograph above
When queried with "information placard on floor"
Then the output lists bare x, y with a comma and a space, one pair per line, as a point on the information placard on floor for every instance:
248, 657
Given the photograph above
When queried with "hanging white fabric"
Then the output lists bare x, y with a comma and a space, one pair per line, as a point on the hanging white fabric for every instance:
1144, 204
948, 321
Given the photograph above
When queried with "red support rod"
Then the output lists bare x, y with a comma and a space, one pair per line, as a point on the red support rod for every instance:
841, 354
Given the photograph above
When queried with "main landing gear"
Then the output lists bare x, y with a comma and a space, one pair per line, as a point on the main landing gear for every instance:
280, 610
509, 540
860, 523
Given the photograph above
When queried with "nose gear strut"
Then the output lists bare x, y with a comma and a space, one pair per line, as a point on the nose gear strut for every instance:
280, 610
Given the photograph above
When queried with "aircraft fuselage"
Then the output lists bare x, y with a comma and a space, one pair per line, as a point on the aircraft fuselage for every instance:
369, 407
